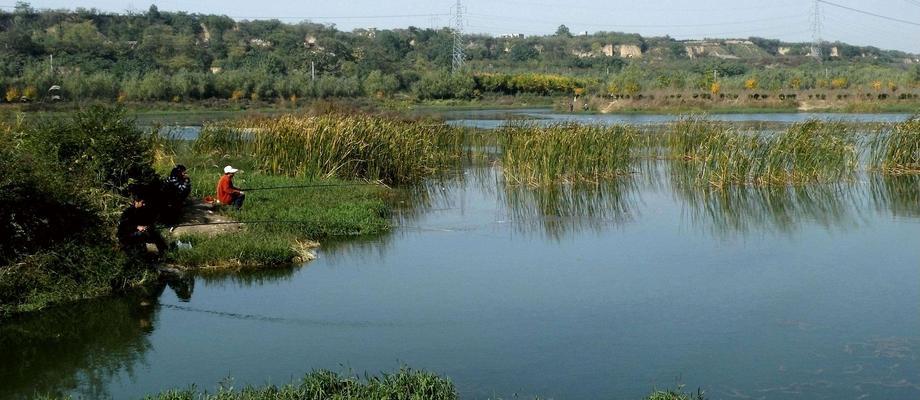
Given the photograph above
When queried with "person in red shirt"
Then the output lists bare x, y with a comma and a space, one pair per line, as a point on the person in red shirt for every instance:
226, 192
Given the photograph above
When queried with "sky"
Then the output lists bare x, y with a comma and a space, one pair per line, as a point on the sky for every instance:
789, 20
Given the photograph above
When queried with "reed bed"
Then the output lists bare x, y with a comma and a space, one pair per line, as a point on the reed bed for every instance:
806, 152
341, 146
536, 155
897, 151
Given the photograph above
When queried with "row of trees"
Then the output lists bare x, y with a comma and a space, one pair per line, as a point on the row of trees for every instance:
260, 84
178, 56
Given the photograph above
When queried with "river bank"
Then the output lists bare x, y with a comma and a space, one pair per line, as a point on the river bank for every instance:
67, 179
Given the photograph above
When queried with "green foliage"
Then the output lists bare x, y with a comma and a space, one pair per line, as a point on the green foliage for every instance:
807, 152
343, 146
897, 151
566, 153
59, 180
169, 56
676, 394
323, 384
543, 84
523, 52
444, 85
98, 147
380, 84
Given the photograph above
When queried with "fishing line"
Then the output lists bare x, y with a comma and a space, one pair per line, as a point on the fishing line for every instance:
314, 186
264, 318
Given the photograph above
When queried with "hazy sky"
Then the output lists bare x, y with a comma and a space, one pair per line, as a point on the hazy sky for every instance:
781, 19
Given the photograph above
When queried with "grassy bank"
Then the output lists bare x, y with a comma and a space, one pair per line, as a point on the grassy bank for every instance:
62, 184
282, 225
406, 384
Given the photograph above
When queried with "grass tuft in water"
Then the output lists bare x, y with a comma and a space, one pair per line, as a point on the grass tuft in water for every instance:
535, 155
897, 151
338, 145
809, 152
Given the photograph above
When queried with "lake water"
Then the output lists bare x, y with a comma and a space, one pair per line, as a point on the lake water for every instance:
491, 119
570, 293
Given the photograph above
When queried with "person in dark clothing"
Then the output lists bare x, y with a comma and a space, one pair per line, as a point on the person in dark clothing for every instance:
176, 190
136, 228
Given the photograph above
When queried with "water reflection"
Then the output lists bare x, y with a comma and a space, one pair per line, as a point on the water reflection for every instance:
76, 348
745, 208
896, 194
246, 278
566, 209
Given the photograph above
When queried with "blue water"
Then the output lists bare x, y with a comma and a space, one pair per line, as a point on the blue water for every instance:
493, 119
606, 292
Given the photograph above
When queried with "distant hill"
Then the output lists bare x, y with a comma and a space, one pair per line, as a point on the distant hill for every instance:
178, 56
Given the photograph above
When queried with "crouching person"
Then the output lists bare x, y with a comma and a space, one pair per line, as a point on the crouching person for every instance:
136, 229
227, 193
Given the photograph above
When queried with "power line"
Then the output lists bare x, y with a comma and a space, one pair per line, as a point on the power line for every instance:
344, 17
566, 6
753, 21
869, 13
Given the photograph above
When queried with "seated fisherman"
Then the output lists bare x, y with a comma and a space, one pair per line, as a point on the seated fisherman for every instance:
226, 192
136, 228
176, 190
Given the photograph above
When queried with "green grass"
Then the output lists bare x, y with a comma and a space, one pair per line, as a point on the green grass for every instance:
346, 146
897, 149
808, 152
279, 221
321, 385
535, 155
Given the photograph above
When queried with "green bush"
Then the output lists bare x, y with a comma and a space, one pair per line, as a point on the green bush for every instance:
444, 85
58, 181
99, 147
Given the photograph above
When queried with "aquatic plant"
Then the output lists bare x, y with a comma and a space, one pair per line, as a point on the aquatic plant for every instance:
338, 145
536, 155
806, 152
323, 384
897, 151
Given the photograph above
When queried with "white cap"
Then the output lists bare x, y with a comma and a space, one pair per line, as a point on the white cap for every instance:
230, 170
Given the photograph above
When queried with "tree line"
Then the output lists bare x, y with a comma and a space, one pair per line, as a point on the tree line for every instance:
177, 56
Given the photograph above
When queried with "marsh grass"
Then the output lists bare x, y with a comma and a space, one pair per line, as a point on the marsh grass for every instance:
809, 152
276, 221
897, 150
406, 384
535, 155
339, 145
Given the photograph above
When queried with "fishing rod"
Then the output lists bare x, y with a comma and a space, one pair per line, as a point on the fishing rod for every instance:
283, 222
331, 185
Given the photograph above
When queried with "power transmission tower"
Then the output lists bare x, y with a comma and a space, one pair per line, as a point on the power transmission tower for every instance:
459, 56
816, 30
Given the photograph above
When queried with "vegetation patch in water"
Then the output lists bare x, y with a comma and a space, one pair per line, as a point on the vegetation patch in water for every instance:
339, 145
535, 155
808, 152
897, 151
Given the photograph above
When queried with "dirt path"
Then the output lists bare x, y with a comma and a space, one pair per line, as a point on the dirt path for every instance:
202, 218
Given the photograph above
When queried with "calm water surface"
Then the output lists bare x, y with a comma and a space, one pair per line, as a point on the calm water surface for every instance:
571, 293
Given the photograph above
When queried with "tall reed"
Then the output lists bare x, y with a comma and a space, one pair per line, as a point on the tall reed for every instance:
898, 151
806, 152
536, 155
338, 145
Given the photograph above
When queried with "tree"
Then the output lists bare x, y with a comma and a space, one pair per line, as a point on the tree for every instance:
380, 84
523, 52
563, 31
